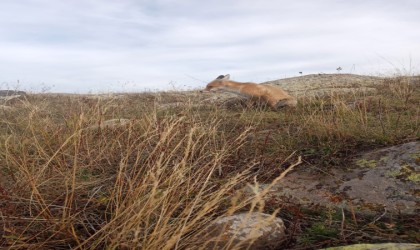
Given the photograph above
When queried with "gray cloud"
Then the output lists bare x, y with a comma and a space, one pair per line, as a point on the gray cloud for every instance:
90, 45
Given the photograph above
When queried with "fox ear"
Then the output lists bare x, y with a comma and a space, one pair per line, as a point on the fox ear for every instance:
223, 77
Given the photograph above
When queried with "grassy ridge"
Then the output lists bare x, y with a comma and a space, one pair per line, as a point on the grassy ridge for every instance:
158, 180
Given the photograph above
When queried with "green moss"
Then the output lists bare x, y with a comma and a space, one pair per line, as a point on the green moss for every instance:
317, 232
415, 155
406, 168
414, 177
366, 163
406, 173
321, 231
393, 173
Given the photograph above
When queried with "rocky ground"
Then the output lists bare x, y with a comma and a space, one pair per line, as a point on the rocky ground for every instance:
384, 181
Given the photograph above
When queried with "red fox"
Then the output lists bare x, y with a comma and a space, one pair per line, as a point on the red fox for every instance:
273, 96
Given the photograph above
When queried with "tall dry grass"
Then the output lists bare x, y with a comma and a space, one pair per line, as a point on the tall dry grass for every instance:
157, 181
152, 183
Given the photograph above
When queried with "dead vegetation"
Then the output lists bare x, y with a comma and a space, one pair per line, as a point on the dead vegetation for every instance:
158, 179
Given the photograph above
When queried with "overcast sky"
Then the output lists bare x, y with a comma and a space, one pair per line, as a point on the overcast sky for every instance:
79, 46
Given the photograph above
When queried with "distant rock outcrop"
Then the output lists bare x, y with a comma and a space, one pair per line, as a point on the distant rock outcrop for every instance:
6, 96
321, 84
11, 93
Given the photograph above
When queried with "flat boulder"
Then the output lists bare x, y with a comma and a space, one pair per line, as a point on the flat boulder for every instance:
6, 92
384, 181
381, 246
8, 96
388, 178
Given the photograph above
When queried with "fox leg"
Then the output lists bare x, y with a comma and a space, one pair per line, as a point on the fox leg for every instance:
272, 103
286, 102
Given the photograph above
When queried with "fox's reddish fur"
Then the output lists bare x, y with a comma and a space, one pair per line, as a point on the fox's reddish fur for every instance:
273, 96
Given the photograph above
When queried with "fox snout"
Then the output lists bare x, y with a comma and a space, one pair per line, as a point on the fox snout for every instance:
209, 88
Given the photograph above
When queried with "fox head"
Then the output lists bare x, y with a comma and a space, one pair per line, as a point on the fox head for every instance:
217, 83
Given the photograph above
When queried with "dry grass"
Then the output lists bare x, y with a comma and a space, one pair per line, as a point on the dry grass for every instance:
152, 183
157, 181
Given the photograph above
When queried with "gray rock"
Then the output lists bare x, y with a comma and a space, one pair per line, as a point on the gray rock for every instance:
382, 181
322, 84
247, 230
8, 96
12, 93
389, 177
381, 246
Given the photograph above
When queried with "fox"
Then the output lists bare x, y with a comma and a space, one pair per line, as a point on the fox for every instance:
275, 97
